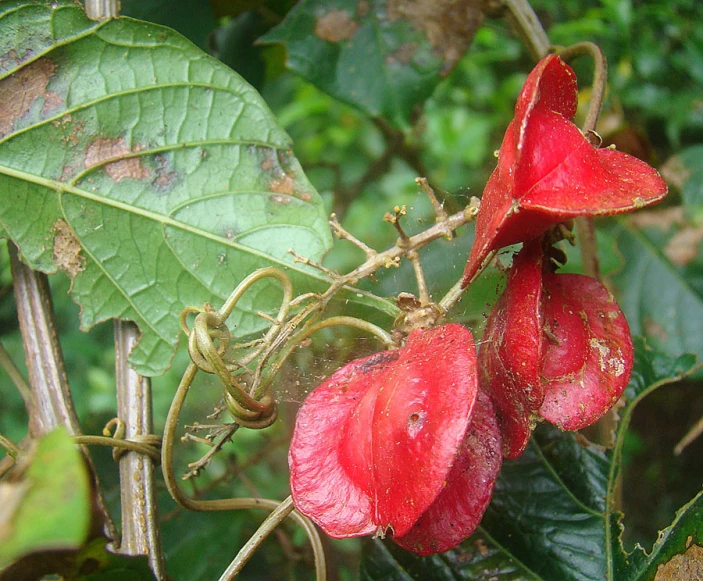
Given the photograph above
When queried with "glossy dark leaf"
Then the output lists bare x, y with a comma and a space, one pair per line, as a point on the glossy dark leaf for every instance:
659, 302
551, 517
476, 559
383, 56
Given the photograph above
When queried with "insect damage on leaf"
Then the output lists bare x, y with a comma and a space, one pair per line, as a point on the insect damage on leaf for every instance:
103, 149
688, 565
20, 91
277, 164
449, 26
67, 249
335, 26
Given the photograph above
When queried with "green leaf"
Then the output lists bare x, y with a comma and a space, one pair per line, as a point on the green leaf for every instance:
195, 545
552, 513
692, 194
658, 301
477, 559
382, 56
692, 157
50, 508
150, 172
107, 566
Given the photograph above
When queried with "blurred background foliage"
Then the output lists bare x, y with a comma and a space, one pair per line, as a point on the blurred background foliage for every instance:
364, 167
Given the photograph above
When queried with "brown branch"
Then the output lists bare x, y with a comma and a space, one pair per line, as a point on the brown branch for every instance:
140, 529
52, 402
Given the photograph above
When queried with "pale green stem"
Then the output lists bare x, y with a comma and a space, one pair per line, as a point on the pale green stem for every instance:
283, 510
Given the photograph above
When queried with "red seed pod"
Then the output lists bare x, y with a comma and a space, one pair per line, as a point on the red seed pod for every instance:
556, 347
458, 509
589, 354
548, 172
374, 444
511, 351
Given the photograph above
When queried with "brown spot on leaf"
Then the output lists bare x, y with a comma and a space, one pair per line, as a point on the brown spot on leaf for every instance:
70, 127
165, 177
403, 54
675, 172
362, 8
104, 149
683, 247
335, 26
52, 101
283, 185
281, 169
19, 91
663, 219
448, 25
654, 329
279, 199
67, 249
685, 567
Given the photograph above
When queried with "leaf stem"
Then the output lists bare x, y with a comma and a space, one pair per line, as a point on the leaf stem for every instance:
117, 443
600, 78
10, 447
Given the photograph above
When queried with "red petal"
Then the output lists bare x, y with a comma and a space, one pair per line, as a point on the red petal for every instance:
561, 174
511, 351
459, 508
549, 172
552, 86
585, 374
496, 203
373, 444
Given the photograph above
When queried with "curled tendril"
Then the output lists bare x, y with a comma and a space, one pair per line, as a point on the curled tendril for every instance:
208, 342
247, 370
148, 444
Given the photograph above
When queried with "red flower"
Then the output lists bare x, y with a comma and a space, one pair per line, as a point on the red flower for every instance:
548, 172
396, 436
556, 347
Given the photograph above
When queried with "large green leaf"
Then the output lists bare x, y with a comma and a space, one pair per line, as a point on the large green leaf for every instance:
150, 172
383, 56
552, 516
50, 508
659, 300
